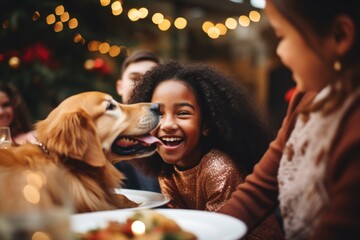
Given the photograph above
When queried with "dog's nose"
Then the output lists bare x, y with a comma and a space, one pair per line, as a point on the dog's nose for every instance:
155, 107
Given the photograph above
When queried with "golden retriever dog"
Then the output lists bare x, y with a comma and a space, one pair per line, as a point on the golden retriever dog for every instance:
81, 139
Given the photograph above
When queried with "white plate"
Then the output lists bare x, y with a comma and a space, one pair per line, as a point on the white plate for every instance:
146, 199
205, 225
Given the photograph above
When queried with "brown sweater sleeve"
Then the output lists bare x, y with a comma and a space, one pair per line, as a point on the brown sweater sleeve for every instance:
257, 197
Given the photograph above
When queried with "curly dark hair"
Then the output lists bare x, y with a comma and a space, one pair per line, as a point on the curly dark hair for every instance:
235, 126
21, 122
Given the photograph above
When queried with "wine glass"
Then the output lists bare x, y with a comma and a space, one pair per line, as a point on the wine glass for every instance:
5, 138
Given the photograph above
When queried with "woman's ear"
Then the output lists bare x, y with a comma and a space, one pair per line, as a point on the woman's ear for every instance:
344, 34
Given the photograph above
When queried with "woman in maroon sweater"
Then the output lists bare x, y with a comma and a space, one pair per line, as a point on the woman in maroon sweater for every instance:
311, 170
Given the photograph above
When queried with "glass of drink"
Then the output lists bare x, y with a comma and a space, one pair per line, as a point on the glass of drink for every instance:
5, 138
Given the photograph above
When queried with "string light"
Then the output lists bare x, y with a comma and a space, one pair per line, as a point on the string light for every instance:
231, 23
73, 23
212, 30
143, 12
180, 23
50, 19
104, 3
206, 25
65, 17
58, 26
59, 10
164, 25
254, 16
244, 21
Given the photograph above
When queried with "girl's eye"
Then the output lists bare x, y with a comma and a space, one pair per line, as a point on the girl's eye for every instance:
110, 106
183, 113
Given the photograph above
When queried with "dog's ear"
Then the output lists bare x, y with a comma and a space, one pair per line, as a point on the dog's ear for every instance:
72, 135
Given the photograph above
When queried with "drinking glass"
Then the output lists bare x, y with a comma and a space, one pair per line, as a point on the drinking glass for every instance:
5, 138
34, 205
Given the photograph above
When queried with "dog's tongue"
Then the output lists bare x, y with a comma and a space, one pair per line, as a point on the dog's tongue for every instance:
148, 139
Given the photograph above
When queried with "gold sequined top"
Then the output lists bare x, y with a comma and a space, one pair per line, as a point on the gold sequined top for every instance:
206, 186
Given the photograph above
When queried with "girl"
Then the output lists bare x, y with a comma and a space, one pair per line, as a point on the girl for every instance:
211, 137
311, 168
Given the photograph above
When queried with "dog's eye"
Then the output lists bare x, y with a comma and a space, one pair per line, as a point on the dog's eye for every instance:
110, 106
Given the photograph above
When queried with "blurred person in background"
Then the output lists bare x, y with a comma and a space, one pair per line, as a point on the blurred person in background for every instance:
14, 113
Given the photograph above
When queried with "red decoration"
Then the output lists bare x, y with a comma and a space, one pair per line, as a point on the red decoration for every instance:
289, 94
36, 52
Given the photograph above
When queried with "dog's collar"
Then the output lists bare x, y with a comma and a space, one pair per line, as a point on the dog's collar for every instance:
42, 146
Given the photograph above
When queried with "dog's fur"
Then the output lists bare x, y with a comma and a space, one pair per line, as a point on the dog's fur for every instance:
76, 140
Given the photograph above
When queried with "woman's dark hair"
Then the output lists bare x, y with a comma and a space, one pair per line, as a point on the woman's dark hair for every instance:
21, 122
235, 126
319, 16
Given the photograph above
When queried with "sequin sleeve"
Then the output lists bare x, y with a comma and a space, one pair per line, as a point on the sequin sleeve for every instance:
218, 178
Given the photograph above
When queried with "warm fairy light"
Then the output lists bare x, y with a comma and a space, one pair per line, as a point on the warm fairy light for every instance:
58, 26
78, 38
244, 21
36, 179
104, 47
64, 17
59, 10
254, 16
231, 23
138, 228
116, 6
222, 28
14, 62
93, 46
157, 18
164, 25
117, 12
89, 64
213, 32
36, 16
41, 236
180, 23
206, 25
143, 12
133, 14
73, 23
50, 19
114, 51
31, 194
104, 3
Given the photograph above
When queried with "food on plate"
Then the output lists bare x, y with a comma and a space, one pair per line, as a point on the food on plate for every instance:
141, 225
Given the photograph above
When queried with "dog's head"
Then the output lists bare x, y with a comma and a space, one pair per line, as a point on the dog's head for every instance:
93, 127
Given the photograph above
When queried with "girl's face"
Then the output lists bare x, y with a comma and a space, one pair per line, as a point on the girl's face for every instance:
180, 127
6, 110
311, 70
